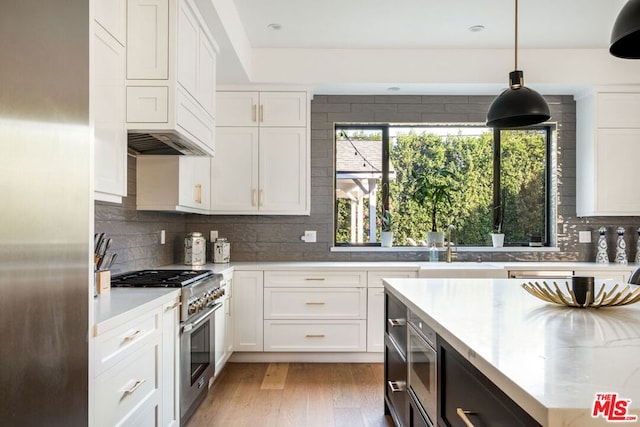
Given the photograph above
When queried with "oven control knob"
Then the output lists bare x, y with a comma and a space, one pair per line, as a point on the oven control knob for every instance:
192, 308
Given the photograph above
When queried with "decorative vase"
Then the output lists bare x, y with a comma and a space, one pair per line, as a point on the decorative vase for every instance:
386, 239
497, 239
435, 238
602, 257
637, 261
621, 247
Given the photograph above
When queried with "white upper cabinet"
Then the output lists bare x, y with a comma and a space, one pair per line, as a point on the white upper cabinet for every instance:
607, 153
108, 102
171, 72
262, 160
271, 109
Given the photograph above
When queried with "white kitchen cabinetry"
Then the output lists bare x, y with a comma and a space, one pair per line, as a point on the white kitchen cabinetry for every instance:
173, 183
261, 166
224, 325
315, 311
108, 102
375, 305
136, 368
247, 309
171, 72
607, 149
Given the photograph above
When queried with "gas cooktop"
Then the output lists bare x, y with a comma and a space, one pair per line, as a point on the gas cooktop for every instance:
159, 278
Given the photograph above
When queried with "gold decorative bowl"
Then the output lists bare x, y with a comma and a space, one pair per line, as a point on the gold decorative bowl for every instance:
602, 298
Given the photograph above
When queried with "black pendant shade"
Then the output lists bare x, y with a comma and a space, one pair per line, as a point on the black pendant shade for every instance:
625, 36
517, 106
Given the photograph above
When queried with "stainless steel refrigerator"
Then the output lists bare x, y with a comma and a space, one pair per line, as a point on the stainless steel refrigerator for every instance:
46, 212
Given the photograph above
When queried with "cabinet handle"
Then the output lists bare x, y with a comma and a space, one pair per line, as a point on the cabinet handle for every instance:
394, 323
314, 303
133, 335
396, 386
254, 107
317, 279
261, 199
463, 415
261, 113
175, 305
134, 387
254, 197
198, 193
314, 336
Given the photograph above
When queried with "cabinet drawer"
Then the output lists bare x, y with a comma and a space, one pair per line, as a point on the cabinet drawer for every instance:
147, 104
315, 278
315, 335
396, 322
304, 303
124, 391
118, 343
461, 385
374, 278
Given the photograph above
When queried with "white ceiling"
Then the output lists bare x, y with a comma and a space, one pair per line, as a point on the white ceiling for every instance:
373, 24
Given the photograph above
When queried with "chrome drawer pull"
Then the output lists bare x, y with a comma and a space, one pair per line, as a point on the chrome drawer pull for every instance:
314, 303
396, 386
463, 415
314, 278
134, 387
133, 335
314, 336
394, 323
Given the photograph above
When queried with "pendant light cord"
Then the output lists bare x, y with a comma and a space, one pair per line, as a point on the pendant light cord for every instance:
516, 38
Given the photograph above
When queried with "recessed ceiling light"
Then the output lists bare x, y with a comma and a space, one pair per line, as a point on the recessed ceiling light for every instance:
274, 27
393, 88
476, 28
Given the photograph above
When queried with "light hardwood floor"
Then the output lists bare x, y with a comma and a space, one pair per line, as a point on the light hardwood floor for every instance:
295, 395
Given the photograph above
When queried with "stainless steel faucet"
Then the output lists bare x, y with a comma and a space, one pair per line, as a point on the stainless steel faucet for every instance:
449, 254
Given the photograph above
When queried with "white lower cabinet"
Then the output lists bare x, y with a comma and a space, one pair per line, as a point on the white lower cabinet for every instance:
224, 325
136, 369
315, 310
247, 306
375, 305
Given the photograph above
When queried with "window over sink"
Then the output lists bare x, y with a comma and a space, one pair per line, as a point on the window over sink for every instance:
493, 176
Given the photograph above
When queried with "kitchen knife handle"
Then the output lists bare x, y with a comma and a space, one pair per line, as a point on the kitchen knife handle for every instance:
463, 415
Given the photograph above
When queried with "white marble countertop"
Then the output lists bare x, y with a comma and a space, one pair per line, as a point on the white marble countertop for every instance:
550, 360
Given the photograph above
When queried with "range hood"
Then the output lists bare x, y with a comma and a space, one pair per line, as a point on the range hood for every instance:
164, 142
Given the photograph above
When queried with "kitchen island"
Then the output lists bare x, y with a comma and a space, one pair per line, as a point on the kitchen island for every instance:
550, 360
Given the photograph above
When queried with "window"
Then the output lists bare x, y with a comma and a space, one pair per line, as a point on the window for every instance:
494, 177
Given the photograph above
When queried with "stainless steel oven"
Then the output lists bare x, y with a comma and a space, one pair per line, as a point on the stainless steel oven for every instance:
197, 359
422, 362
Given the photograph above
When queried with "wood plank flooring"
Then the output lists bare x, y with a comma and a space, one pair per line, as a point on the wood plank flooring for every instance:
295, 395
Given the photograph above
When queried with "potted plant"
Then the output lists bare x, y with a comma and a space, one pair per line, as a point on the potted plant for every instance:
386, 233
434, 190
497, 236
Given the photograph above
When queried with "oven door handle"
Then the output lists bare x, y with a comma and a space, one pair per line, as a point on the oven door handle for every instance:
189, 326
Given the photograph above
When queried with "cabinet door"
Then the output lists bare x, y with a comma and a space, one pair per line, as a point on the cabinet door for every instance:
148, 39
220, 324
108, 104
170, 365
283, 109
234, 178
375, 320
617, 154
187, 49
283, 170
248, 300
111, 15
619, 110
237, 108
194, 182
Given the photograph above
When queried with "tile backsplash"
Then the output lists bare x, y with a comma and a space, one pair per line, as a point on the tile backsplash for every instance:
277, 238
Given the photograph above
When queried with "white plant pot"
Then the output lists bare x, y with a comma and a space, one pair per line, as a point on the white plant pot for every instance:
497, 239
386, 239
435, 238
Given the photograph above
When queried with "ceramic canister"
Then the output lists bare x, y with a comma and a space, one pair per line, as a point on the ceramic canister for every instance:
195, 249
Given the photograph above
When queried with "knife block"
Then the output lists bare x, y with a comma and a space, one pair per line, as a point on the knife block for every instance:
103, 281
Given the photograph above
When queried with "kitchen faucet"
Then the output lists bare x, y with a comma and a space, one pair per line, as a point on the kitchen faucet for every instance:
449, 255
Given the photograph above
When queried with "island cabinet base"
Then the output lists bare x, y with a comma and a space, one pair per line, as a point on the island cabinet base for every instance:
465, 392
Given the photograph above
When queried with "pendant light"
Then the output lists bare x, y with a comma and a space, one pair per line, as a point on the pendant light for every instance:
518, 105
625, 36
